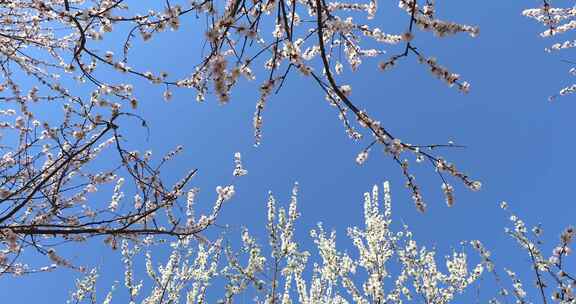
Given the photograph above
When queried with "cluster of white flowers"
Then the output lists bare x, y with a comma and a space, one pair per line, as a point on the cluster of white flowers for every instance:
444, 166
377, 247
425, 20
449, 193
517, 287
225, 193
441, 72
362, 157
85, 288
238, 168
257, 121
117, 195
184, 277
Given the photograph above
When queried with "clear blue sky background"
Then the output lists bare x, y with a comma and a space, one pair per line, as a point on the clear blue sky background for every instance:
518, 144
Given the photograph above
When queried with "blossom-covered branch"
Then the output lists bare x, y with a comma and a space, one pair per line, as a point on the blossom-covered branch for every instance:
558, 21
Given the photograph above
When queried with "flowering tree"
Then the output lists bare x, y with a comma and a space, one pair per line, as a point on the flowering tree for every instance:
388, 266
286, 36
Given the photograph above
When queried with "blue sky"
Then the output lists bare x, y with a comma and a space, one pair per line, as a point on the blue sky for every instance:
518, 144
